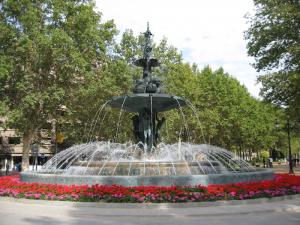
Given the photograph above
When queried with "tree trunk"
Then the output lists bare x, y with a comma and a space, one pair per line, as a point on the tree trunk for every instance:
27, 138
240, 151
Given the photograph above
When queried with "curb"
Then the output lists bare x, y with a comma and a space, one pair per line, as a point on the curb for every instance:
151, 205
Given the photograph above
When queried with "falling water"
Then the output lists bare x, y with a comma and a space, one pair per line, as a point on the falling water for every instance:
106, 158
197, 117
183, 117
95, 120
120, 114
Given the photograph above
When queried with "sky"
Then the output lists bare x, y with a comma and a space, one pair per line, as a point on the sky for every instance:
207, 32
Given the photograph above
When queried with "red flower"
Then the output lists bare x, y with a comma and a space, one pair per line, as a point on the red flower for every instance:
283, 184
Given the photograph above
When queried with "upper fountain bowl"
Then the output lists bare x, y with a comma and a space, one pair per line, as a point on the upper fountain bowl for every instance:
139, 102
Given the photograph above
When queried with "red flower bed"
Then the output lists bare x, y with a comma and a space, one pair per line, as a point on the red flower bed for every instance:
283, 184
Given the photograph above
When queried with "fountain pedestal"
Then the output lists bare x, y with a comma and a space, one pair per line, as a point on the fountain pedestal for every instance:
146, 124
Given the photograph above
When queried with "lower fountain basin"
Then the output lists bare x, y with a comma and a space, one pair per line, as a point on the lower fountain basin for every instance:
145, 168
187, 180
181, 164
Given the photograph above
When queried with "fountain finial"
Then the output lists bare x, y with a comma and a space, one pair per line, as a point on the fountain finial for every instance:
148, 32
148, 43
148, 26
147, 62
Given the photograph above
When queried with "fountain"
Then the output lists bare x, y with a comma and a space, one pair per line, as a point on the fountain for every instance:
148, 161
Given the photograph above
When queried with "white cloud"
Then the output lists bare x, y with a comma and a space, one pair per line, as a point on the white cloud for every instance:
207, 32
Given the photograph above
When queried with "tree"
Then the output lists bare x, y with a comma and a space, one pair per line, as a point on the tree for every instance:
86, 120
282, 89
48, 49
273, 37
274, 42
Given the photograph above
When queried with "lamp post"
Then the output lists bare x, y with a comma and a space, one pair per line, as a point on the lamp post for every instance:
53, 137
290, 159
291, 166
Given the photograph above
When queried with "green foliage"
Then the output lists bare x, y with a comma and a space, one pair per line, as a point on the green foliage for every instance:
273, 37
273, 40
282, 89
48, 48
265, 154
295, 145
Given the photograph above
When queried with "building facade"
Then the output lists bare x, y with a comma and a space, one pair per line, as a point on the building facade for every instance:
11, 147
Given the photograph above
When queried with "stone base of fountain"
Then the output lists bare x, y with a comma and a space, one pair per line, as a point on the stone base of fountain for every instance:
181, 164
146, 168
178, 180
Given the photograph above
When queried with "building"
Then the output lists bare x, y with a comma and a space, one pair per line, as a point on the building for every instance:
11, 146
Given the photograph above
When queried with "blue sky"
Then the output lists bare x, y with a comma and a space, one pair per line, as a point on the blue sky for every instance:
207, 32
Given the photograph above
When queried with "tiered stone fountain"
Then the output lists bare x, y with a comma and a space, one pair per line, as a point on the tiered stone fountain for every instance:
147, 162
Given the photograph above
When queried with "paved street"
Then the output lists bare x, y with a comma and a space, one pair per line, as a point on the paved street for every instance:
24, 212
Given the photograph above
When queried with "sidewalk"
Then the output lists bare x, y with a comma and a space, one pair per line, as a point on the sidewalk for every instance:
284, 168
276, 211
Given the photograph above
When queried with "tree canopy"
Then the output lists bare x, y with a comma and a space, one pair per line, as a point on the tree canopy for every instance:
47, 48
274, 42
273, 36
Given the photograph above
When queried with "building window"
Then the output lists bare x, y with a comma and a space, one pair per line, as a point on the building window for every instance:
14, 140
